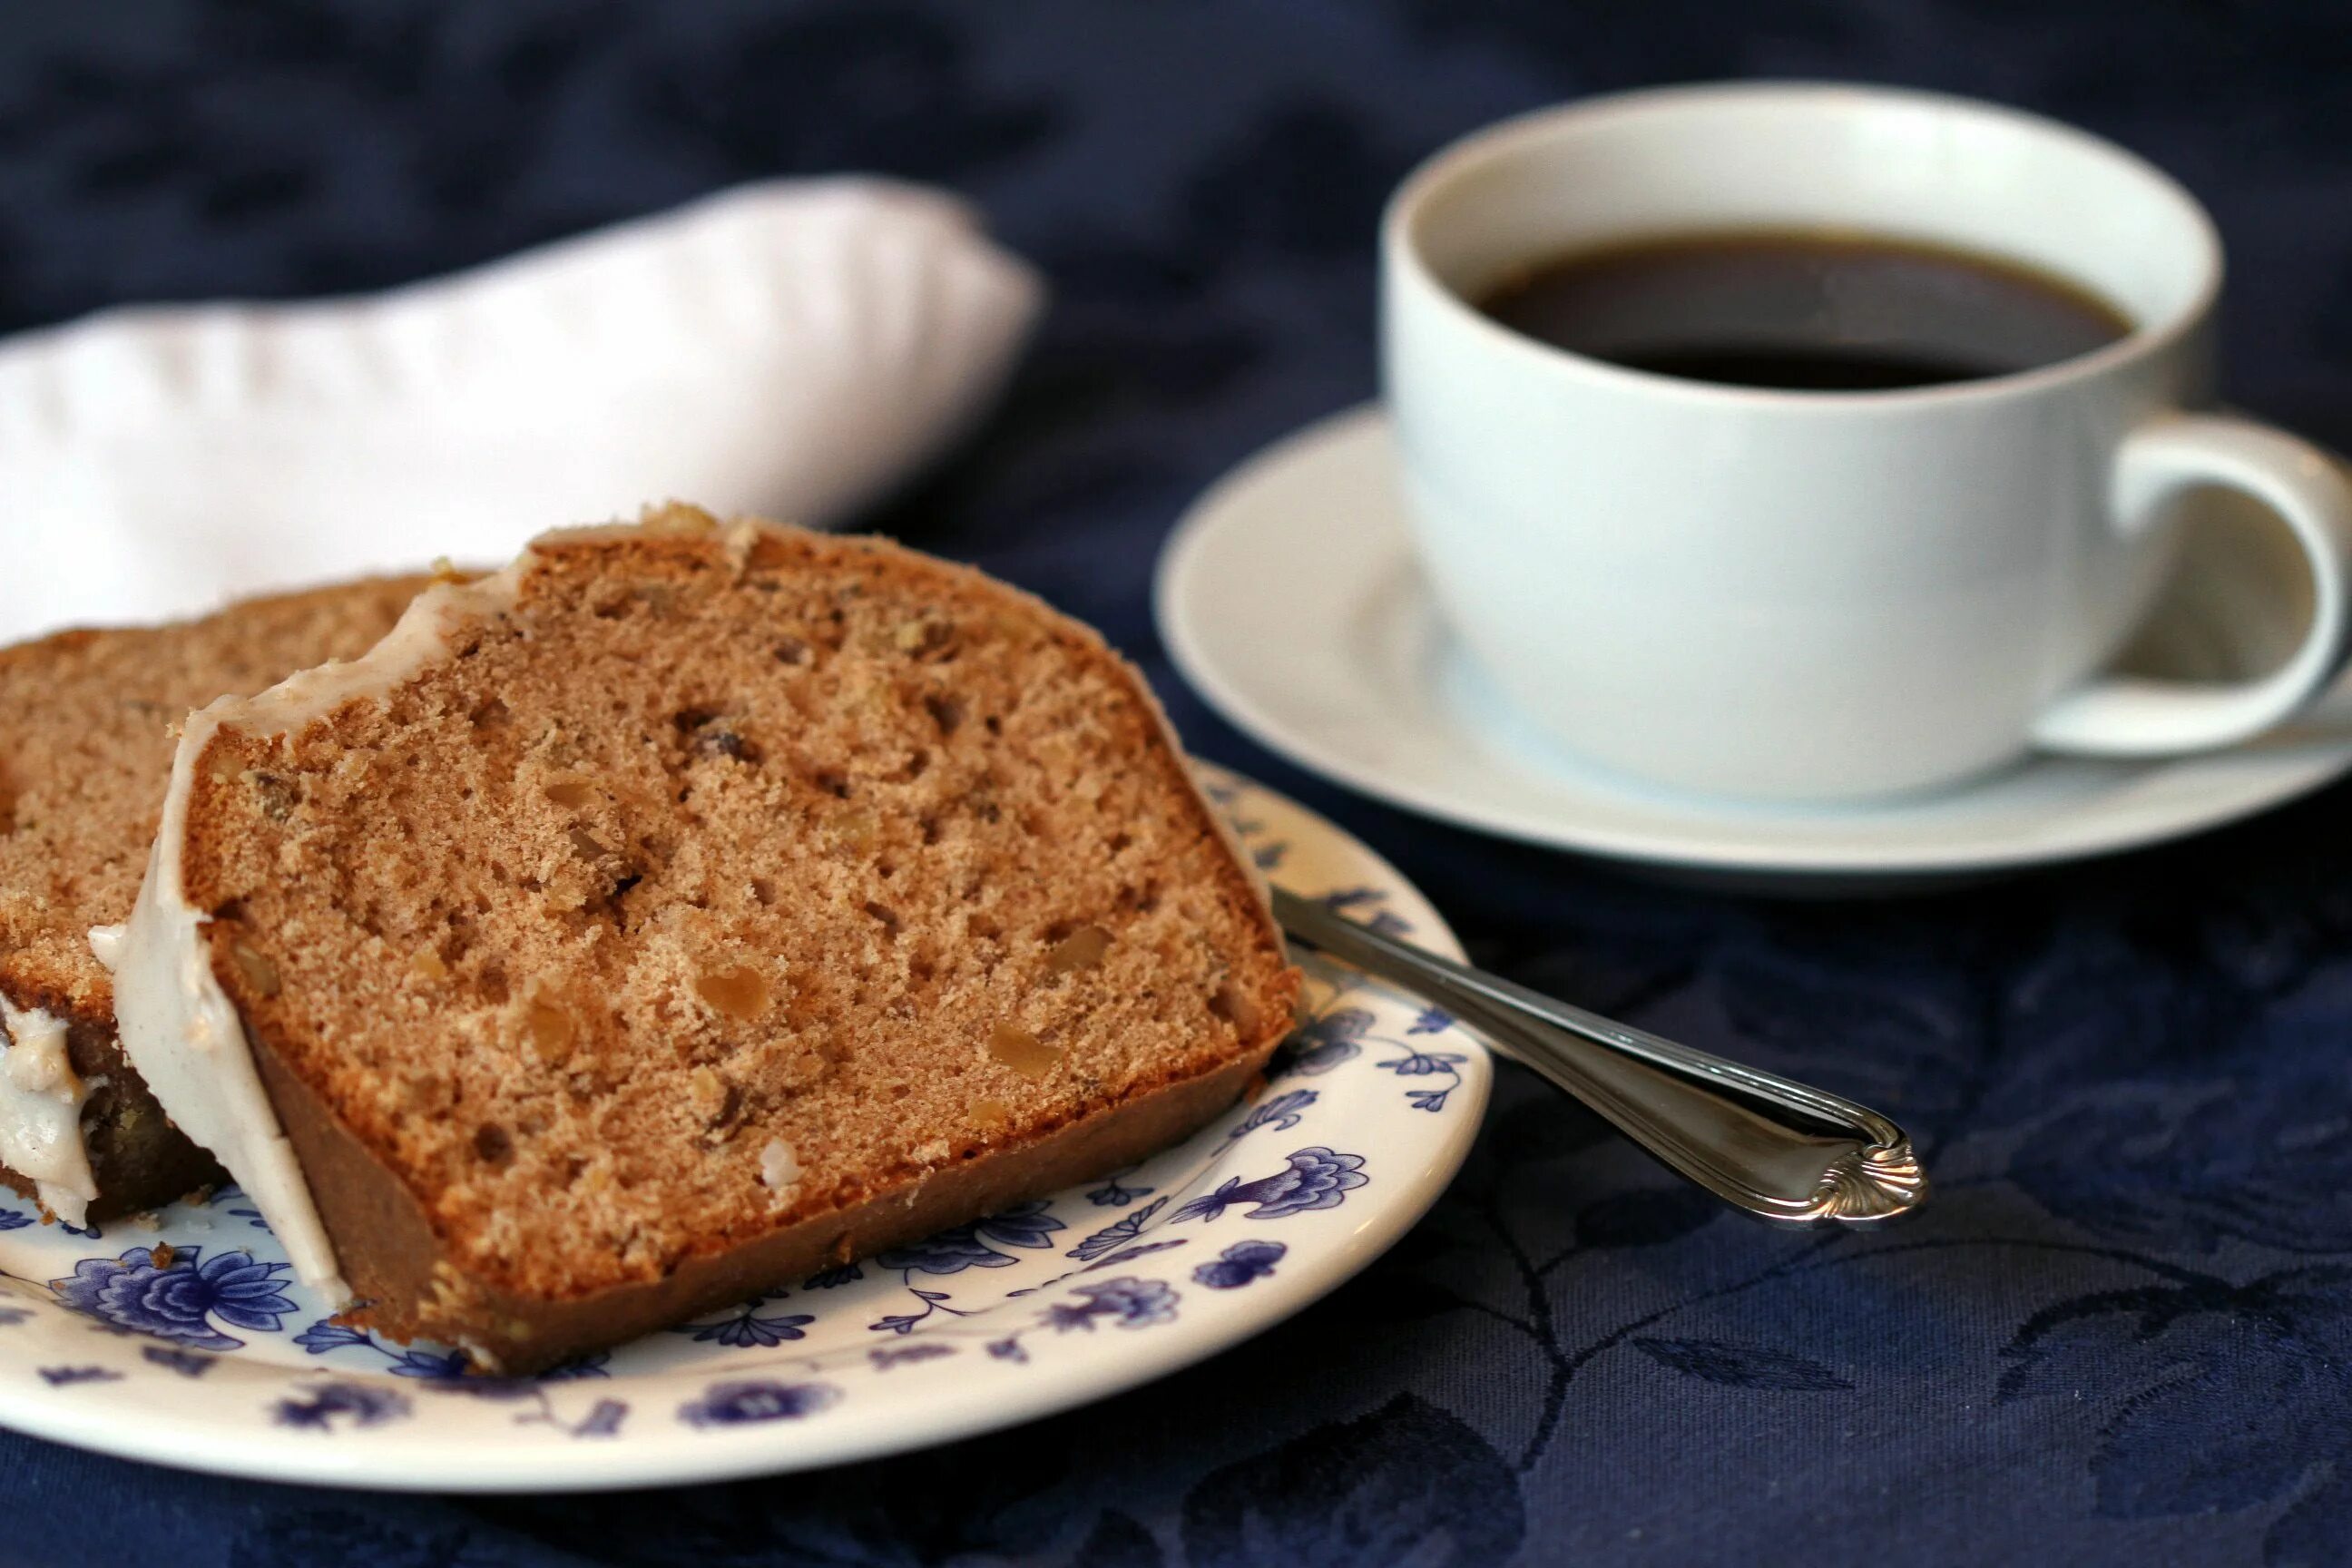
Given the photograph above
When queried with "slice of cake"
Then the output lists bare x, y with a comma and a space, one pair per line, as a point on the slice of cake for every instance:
676, 913
90, 718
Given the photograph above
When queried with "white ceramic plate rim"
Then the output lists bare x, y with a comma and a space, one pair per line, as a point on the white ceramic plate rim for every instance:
1696, 836
975, 1396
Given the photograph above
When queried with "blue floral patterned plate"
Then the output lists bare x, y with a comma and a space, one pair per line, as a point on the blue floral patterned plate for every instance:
186, 1343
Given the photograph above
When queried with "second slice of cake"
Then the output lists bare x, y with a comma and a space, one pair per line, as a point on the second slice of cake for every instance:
90, 718
678, 912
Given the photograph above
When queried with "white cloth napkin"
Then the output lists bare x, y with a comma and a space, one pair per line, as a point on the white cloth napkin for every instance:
789, 348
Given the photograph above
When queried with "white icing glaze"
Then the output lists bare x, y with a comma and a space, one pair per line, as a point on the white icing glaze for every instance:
105, 944
179, 1028
40, 1111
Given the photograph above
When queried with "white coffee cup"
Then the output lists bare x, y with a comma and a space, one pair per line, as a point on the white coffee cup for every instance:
1824, 595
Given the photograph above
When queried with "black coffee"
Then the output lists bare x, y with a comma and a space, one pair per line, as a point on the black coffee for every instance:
1813, 311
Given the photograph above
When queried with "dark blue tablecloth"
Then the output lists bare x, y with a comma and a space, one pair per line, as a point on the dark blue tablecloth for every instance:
2122, 1332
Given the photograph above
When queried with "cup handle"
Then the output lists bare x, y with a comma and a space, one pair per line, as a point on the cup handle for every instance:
2126, 716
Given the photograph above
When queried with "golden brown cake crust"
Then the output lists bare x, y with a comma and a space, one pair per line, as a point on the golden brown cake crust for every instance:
730, 897
402, 1269
90, 716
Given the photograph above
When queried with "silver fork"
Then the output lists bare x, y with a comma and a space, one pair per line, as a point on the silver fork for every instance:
1770, 1145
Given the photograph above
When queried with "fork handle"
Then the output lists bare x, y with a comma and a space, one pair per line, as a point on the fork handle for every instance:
1768, 1145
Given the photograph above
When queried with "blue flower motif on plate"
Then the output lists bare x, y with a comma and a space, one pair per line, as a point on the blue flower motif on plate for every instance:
1280, 1112
904, 1322
14, 1219
1128, 1304
967, 1246
885, 1356
62, 1376
1117, 1233
578, 1367
1321, 1044
1112, 1195
187, 1363
1424, 1064
827, 1278
749, 1401
319, 1409
745, 1327
438, 1366
603, 1420
1428, 1064
1239, 1264
178, 1300
327, 1334
448, 1370
1316, 1178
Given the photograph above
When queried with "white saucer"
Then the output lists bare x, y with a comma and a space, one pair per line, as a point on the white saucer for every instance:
180, 1340
1289, 597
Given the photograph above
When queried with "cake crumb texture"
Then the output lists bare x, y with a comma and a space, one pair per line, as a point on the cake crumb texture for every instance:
728, 879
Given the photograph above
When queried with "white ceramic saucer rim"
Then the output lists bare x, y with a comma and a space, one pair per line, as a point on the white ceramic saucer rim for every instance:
1702, 840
